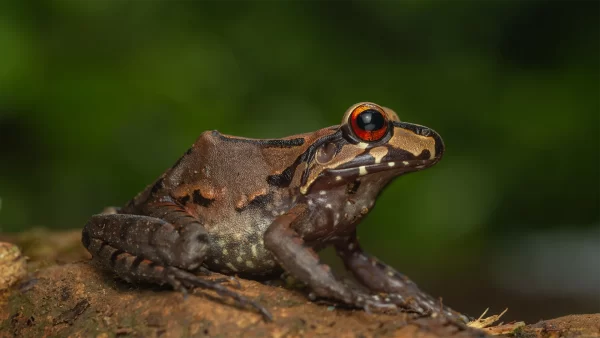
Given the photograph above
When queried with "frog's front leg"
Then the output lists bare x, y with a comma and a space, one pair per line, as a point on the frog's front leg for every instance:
163, 248
382, 278
303, 263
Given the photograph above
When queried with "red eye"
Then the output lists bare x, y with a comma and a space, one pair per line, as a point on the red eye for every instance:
369, 122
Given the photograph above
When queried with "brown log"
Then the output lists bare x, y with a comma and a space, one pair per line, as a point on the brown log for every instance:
64, 295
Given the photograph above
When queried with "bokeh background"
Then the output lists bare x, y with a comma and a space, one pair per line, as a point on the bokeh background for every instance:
97, 98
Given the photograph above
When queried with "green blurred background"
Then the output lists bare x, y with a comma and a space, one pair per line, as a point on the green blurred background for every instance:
97, 98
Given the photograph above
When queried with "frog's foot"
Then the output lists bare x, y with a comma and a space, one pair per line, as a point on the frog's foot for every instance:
423, 305
184, 281
231, 279
387, 302
359, 300
389, 285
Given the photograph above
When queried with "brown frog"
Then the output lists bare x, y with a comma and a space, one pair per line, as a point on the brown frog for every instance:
254, 207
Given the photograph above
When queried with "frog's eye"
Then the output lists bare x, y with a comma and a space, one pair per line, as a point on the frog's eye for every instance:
369, 122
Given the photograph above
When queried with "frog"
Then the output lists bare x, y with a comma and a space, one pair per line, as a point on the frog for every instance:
255, 208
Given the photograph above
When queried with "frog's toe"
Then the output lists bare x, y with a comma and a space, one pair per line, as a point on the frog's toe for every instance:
425, 306
235, 283
180, 278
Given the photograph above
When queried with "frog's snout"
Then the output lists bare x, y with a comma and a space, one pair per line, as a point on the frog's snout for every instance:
417, 138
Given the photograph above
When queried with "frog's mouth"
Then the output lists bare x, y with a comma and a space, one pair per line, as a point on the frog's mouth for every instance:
394, 167
349, 173
395, 161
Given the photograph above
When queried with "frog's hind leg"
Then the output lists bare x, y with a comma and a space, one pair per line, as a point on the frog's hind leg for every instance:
148, 249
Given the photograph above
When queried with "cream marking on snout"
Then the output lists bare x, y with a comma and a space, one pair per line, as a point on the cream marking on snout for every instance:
378, 153
362, 170
362, 145
405, 162
415, 144
391, 164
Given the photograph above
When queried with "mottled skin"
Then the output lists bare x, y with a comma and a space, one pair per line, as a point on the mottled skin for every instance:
255, 207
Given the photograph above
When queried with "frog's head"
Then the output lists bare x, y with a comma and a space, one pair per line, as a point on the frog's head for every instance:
371, 144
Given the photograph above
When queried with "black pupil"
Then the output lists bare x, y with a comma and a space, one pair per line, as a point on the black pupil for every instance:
370, 120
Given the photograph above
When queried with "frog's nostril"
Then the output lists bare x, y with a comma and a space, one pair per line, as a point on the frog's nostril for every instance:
424, 131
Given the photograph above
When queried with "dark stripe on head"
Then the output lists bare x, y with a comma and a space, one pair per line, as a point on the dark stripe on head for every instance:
415, 128
273, 143
285, 178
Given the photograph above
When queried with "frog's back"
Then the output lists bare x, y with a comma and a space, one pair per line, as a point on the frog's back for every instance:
212, 169
223, 182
